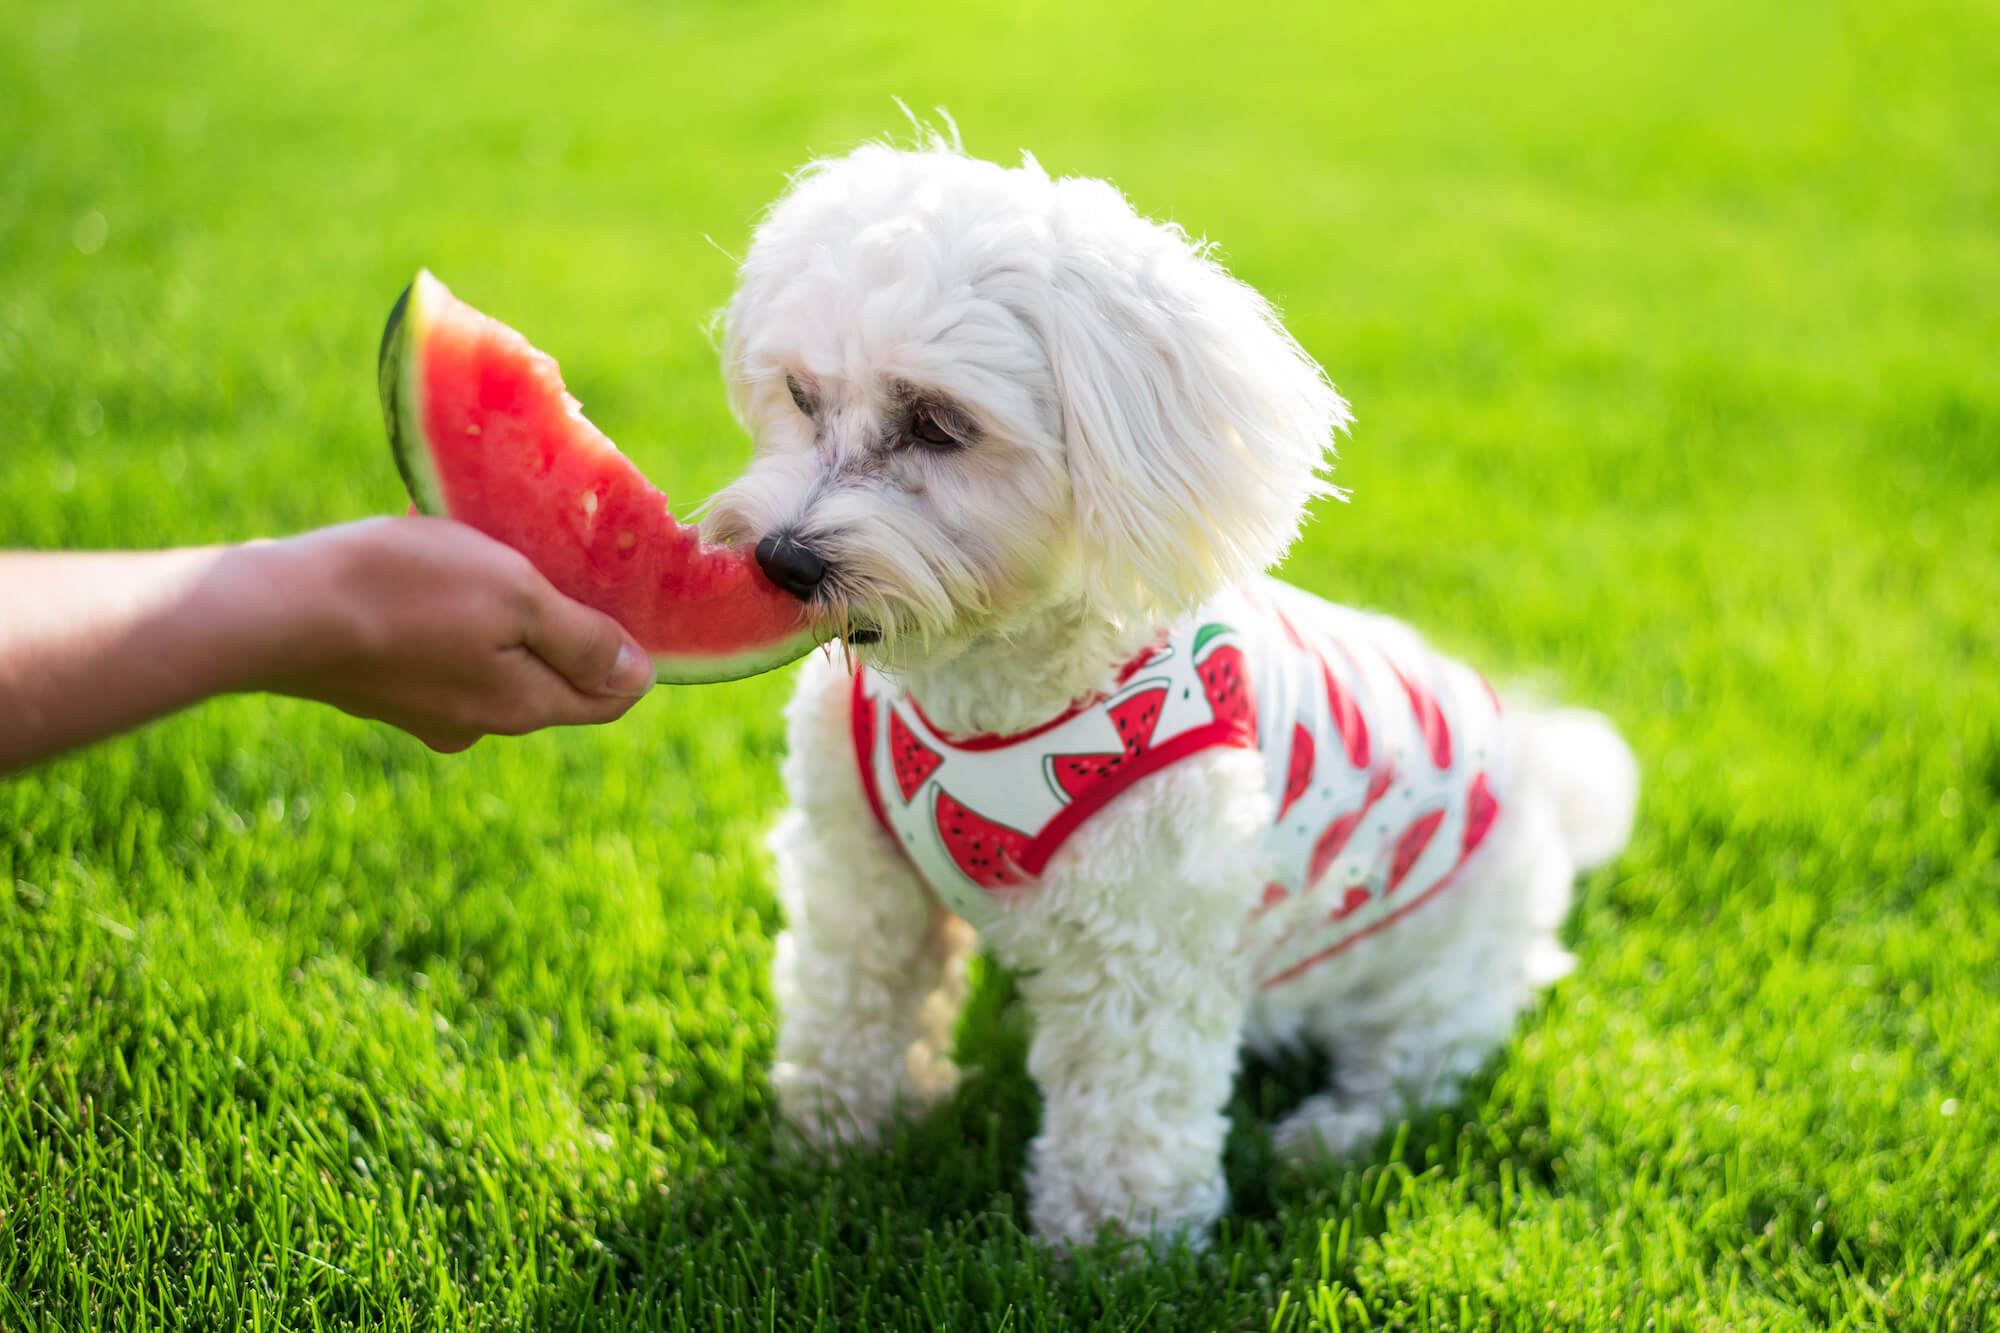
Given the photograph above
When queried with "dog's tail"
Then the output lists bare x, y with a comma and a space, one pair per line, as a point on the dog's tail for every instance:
1578, 758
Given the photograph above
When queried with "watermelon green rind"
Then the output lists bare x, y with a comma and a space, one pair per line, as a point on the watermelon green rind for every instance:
400, 382
709, 669
402, 391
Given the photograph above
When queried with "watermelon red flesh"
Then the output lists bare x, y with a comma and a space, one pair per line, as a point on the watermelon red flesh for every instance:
485, 433
989, 854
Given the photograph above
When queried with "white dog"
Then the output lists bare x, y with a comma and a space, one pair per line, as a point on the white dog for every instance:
1031, 453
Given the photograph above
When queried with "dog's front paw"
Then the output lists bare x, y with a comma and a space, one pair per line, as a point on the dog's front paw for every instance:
929, 1076
1074, 1203
1325, 1129
826, 1112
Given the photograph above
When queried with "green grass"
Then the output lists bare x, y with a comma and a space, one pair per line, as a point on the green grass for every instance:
1672, 336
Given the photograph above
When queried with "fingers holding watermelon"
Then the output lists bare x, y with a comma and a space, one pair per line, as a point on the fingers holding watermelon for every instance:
587, 648
433, 628
483, 431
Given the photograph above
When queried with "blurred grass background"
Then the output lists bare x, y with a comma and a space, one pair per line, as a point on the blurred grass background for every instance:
1671, 332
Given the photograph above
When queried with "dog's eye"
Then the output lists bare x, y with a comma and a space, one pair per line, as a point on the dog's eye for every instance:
798, 395
924, 426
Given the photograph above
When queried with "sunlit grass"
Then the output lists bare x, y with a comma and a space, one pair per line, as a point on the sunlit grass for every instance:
1671, 338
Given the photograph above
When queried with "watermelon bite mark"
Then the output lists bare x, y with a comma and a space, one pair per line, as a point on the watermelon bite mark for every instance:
484, 432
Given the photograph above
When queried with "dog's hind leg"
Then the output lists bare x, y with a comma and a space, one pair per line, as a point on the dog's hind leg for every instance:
1405, 1037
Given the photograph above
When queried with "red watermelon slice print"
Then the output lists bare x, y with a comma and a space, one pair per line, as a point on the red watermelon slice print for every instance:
1225, 679
912, 760
1437, 736
1334, 841
1331, 843
987, 853
1075, 774
1300, 776
1352, 901
1347, 719
1137, 717
1410, 846
1480, 808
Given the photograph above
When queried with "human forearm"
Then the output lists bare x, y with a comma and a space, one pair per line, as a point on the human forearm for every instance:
92, 643
421, 623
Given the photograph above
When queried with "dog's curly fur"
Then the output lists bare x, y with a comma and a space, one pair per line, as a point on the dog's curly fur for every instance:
1025, 428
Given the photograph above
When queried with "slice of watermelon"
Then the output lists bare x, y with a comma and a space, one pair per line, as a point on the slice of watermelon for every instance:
484, 432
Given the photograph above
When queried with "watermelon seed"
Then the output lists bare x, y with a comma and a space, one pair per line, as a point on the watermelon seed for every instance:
590, 502
626, 540
472, 428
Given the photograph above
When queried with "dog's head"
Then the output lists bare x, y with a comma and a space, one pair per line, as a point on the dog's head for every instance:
978, 394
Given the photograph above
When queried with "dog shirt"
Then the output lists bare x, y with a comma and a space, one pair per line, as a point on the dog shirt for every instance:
1383, 760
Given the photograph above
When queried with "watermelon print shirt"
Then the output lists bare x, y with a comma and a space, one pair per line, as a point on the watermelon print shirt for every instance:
1382, 758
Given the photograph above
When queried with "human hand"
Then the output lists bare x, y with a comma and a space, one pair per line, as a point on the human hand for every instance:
430, 626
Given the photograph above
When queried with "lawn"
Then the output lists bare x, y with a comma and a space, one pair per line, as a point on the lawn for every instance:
1673, 334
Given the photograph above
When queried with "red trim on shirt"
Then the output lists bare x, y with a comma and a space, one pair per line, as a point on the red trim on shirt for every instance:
988, 741
861, 723
1121, 779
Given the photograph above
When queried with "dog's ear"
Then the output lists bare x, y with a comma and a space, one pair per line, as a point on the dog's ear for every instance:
1196, 427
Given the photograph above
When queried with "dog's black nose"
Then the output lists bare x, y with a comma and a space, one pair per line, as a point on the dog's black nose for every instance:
789, 565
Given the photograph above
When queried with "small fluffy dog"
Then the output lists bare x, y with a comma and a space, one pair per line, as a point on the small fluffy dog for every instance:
1031, 453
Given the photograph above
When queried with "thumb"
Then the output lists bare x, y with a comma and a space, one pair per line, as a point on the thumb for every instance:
587, 648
